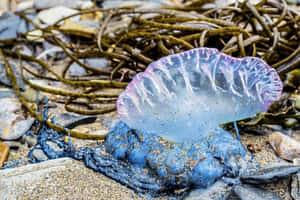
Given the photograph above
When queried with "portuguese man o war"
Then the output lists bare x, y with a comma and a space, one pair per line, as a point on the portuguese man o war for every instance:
169, 138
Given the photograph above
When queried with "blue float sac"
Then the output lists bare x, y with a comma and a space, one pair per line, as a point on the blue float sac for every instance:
199, 163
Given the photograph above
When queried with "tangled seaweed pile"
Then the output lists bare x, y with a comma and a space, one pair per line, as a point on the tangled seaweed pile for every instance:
268, 30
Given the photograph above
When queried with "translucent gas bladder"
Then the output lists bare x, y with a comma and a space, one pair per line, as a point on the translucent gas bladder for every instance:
182, 96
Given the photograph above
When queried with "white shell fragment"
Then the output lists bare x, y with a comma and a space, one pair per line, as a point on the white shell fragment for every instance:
286, 147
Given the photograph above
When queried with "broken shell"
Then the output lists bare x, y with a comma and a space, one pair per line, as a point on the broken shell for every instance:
285, 146
4, 149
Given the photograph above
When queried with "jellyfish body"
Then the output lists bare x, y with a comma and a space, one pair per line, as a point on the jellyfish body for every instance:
183, 96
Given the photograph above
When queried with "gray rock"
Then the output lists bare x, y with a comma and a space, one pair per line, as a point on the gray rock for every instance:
67, 3
269, 174
13, 123
248, 192
76, 70
100, 132
132, 3
32, 95
13, 144
99, 63
51, 15
8, 25
11, 25
23, 49
4, 78
29, 140
6, 93
295, 186
54, 146
39, 155
24, 5
70, 121
218, 190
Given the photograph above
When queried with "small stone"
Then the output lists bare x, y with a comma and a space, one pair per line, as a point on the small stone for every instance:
14, 124
290, 122
29, 140
4, 149
30, 95
4, 78
80, 4
297, 102
296, 161
35, 36
24, 26
293, 2
54, 146
295, 186
8, 25
11, 25
50, 16
6, 93
99, 63
218, 190
253, 148
100, 132
286, 147
39, 155
132, 3
70, 121
293, 78
81, 28
24, 5
23, 49
76, 70
13, 144
13, 156
249, 192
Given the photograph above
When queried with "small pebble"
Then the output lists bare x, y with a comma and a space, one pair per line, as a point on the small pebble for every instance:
29, 140
35, 36
39, 155
13, 123
297, 102
51, 15
54, 146
100, 132
30, 95
253, 148
296, 161
13, 144
70, 121
4, 149
290, 122
6, 93
286, 147
3, 75
76, 70
295, 186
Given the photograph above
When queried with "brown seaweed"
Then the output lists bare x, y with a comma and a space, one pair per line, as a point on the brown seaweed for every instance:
269, 30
